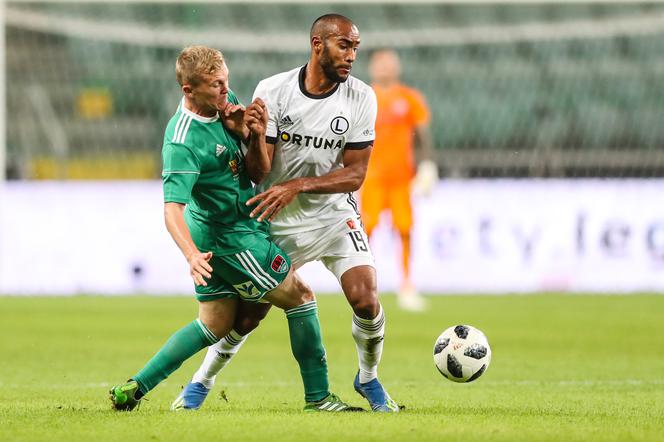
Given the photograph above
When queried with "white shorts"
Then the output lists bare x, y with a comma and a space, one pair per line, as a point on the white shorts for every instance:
339, 247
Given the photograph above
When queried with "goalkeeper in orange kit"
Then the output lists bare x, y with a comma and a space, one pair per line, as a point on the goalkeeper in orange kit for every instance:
402, 123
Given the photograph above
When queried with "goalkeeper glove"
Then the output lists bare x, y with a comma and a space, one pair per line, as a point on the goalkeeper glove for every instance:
426, 178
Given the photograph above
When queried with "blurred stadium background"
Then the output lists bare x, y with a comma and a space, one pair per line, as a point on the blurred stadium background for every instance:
567, 91
517, 89
548, 119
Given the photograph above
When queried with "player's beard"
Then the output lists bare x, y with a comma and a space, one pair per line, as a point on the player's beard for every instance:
327, 65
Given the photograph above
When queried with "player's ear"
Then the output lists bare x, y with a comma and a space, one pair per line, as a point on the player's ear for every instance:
187, 89
316, 44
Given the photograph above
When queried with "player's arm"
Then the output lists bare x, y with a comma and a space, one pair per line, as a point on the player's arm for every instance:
261, 121
232, 117
346, 179
424, 141
180, 174
258, 159
427, 169
199, 268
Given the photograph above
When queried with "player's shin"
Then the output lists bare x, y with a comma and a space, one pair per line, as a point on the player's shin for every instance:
183, 344
368, 335
217, 357
307, 346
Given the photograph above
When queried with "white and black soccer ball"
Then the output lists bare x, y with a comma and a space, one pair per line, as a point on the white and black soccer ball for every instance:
462, 353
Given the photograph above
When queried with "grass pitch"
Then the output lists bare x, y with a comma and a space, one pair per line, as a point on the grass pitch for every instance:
563, 368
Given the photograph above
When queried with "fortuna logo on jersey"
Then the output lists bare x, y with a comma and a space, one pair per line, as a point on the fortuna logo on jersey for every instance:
279, 264
308, 140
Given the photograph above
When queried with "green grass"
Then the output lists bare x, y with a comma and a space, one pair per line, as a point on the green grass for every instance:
563, 368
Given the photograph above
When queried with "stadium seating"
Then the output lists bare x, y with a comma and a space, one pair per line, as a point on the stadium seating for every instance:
558, 93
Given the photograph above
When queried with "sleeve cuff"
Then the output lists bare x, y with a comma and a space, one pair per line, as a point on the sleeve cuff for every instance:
176, 200
359, 145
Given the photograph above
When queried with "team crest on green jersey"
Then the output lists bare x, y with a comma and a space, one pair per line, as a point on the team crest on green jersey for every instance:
279, 264
234, 165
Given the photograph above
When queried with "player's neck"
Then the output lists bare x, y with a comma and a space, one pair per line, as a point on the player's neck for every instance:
315, 80
191, 106
386, 85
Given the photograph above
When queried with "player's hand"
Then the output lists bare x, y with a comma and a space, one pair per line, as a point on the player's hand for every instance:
199, 267
274, 199
233, 118
425, 178
256, 116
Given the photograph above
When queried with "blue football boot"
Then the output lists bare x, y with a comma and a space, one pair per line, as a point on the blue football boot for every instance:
191, 398
378, 398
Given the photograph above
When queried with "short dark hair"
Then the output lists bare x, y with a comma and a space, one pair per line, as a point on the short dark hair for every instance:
325, 20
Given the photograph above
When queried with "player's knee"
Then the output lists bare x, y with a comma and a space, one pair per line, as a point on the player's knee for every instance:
249, 316
303, 292
247, 324
364, 300
218, 315
404, 233
219, 328
366, 308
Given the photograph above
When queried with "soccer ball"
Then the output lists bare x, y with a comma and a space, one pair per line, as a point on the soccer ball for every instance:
462, 353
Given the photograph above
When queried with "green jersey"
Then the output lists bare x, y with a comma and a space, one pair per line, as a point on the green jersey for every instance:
204, 168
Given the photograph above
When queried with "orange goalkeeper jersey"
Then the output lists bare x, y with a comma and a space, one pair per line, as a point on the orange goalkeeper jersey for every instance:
400, 110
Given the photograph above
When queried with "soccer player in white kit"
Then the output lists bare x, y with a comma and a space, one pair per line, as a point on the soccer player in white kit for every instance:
319, 137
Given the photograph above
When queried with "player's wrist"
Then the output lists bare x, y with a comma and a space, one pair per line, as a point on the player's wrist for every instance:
257, 136
301, 185
189, 256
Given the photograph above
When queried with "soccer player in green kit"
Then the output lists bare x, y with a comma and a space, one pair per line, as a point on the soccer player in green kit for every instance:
231, 258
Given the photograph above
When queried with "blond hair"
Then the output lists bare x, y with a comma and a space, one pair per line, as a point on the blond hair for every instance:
195, 61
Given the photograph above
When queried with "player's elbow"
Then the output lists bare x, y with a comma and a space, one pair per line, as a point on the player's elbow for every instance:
257, 171
356, 184
258, 175
357, 178
256, 178
171, 210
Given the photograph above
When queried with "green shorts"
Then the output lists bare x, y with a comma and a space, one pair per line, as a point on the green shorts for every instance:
248, 274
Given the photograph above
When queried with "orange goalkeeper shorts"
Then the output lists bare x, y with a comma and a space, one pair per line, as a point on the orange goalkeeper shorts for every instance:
378, 195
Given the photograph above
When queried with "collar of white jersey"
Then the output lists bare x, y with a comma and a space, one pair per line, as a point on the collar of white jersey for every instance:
195, 116
300, 81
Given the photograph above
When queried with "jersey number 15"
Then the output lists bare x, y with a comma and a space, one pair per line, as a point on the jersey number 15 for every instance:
358, 241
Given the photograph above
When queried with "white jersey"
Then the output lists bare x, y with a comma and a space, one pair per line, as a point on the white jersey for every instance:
310, 134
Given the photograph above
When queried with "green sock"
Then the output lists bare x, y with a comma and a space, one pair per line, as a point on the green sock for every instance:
182, 345
307, 346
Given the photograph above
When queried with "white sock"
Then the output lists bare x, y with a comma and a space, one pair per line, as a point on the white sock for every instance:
217, 357
368, 335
